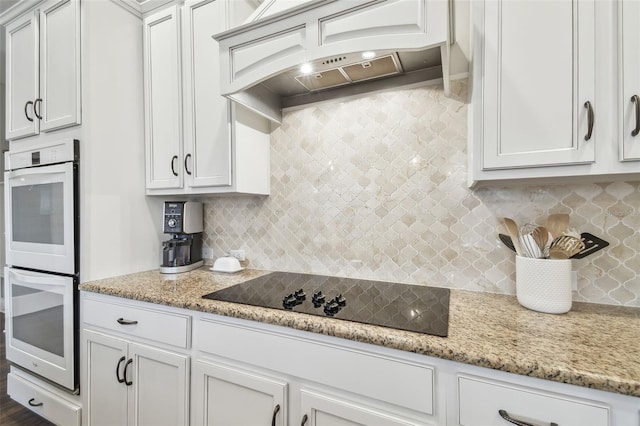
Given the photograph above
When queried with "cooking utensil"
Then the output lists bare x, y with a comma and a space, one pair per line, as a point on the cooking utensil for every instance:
541, 235
506, 240
529, 246
565, 246
512, 229
557, 223
592, 244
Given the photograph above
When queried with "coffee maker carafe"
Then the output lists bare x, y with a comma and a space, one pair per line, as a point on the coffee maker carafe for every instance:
183, 252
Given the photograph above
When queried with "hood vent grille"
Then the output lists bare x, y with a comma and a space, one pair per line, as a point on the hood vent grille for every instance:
260, 60
366, 70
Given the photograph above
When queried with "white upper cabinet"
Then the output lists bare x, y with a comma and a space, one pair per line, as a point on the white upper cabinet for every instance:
43, 69
22, 76
208, 151
551, 97
539, 83
629, 48
163, 99
196, 141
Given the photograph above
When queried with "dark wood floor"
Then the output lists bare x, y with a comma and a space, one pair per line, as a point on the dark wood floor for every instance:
12, 413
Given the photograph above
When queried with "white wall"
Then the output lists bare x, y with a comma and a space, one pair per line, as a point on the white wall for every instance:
121, 227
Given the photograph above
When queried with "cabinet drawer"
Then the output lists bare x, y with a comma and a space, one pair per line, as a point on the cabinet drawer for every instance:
164, 327
482, 399
393, 380
53, 407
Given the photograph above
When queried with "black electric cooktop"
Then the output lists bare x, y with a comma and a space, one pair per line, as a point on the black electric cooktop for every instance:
414, 308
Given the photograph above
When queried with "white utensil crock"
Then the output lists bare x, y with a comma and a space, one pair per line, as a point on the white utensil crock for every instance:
544, 285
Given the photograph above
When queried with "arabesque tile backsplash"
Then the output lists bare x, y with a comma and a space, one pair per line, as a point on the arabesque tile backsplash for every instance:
375, 188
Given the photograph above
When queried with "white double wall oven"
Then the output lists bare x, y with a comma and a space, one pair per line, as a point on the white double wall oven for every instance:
42, 260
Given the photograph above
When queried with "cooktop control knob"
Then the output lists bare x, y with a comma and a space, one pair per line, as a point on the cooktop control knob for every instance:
331, 308
318, 299
300, 295
289, 301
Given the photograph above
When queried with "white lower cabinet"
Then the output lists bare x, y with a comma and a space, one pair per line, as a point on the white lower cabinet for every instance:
44, 399
128, 378
309, 382
133, 384
488, 402
325, 410
137, 370
226, 396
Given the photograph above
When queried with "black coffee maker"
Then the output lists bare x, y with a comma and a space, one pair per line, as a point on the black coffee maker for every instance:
183, 252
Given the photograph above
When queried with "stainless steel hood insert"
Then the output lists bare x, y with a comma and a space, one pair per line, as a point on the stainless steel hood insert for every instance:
261, 60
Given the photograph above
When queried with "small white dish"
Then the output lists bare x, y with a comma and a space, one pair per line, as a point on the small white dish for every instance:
225, 271
228, 265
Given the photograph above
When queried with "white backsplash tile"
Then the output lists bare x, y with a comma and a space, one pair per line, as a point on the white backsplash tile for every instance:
375, 188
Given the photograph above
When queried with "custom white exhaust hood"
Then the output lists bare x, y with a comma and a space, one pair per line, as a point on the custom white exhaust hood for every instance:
291, 53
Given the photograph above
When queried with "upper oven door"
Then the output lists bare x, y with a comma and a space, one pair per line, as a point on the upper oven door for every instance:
40, 218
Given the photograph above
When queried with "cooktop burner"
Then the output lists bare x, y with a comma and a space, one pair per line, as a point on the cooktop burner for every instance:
414, 308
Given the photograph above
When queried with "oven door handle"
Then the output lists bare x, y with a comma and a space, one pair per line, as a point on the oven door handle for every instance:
35, 171
39, 280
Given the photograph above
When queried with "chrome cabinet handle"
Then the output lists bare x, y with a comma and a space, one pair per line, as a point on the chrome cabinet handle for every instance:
36, 108
590, 117
126, 322
26, 114
304, 420
173, 169
186, 169
517, 422
35, 404
118, 370
127, 382
636, 101
275, 413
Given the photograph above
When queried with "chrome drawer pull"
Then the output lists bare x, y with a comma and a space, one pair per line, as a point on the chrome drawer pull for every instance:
517, 422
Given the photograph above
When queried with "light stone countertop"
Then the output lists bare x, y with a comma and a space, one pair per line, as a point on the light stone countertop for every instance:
596, 346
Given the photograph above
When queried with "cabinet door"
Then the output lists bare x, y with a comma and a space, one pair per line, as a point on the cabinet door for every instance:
325, 410
629, 16
159, 393
207, 127
539, 83
106, 396
21, 77
59, 104
226, 396
163, 105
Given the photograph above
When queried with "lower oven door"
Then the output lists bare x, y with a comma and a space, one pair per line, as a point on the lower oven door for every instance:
40, 324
